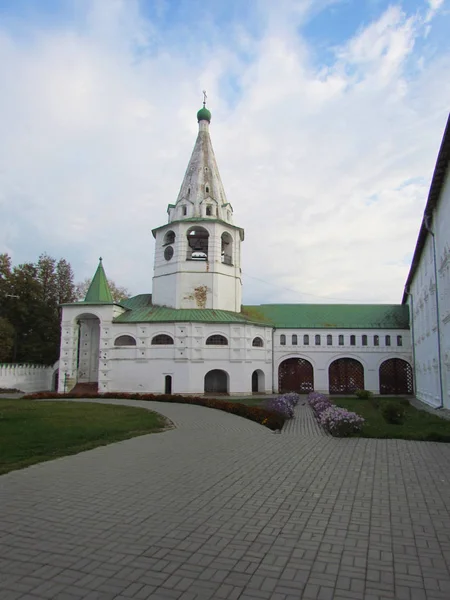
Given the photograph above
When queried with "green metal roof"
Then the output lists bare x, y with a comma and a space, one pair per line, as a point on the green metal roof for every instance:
141, 310
99, 292
332, 316
294, 316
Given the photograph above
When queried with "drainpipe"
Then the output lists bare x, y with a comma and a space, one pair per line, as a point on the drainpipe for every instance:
408, 293
426, 222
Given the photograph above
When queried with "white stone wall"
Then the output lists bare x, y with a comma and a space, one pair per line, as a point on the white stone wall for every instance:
142, 368
27, 378
432, 370
321, 356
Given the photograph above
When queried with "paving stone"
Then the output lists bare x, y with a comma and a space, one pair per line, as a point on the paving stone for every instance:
222, 508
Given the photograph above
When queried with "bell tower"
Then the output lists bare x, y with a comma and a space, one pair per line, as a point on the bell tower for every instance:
198, 252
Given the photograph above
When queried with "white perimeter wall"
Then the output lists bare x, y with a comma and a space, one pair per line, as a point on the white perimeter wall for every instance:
27, 378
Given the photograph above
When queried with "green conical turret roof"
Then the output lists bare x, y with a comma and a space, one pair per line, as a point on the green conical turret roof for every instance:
99, 289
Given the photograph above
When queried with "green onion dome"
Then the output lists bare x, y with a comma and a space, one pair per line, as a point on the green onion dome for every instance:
204, 115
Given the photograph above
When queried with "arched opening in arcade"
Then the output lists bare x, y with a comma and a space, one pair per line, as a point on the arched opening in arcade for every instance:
296, 375
88, 348
345, 375
258, 381
396, 377
216, 382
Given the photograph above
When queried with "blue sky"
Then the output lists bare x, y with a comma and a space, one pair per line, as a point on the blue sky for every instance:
327, 119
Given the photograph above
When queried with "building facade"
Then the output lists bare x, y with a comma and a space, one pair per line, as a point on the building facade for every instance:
427, 290
193, 336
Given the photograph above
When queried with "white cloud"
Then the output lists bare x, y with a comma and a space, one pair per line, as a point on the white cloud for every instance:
327, 168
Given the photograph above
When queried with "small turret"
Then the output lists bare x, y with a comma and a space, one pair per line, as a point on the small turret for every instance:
99, 291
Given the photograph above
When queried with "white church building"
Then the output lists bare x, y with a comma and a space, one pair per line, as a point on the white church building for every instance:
192, 335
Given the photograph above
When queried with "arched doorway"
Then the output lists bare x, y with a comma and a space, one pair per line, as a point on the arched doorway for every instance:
88, 348
216, 382
296, 375
258, 381
168, 384
396, 377
345, 375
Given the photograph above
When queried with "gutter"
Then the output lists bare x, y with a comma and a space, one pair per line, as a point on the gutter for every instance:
426, 222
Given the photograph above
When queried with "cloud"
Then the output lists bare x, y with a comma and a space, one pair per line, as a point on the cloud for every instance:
327, 166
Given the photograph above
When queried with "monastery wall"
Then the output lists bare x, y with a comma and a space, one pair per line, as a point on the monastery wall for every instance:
27, 378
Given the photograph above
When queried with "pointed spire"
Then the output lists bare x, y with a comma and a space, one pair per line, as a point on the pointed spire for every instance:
99, 289
202, 192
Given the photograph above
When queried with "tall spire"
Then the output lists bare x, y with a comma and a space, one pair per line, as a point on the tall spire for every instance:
99, 289
202, 192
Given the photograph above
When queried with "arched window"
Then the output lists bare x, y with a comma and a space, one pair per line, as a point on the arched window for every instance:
341, 340
388, 340
207, 189
376, 340
257, 342
318, 342
353, 340
282, 340
227, 248
399, 340
306, 340
197, 238
184, 207
329, 340
125, 340
217, 340
294, 340
162, 340
364, 340
169, 238
208, 210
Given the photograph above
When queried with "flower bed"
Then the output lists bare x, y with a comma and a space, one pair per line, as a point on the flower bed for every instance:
283, 405
264, 416
337, 421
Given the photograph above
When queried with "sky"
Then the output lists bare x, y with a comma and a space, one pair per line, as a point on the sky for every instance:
327, 117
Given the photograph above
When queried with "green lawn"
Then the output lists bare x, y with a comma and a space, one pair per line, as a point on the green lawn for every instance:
418, 425
33, 432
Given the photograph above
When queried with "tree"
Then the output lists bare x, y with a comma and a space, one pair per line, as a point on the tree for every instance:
7, 336
30, 295
118, 293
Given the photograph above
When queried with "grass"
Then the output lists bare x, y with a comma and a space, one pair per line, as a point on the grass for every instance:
33, 432
418, 425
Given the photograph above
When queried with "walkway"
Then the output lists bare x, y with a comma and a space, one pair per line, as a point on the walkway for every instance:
221, 508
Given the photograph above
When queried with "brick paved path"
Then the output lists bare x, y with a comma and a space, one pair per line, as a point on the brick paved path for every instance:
304, 422
221, 508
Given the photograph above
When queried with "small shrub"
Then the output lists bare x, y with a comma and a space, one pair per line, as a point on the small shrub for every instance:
393, 413
363, 394
340, 422
318, 402
291, 397
281, 406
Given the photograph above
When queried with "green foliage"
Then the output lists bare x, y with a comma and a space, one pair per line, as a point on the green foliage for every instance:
394, 413
363, 394
29, 304
7, 335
